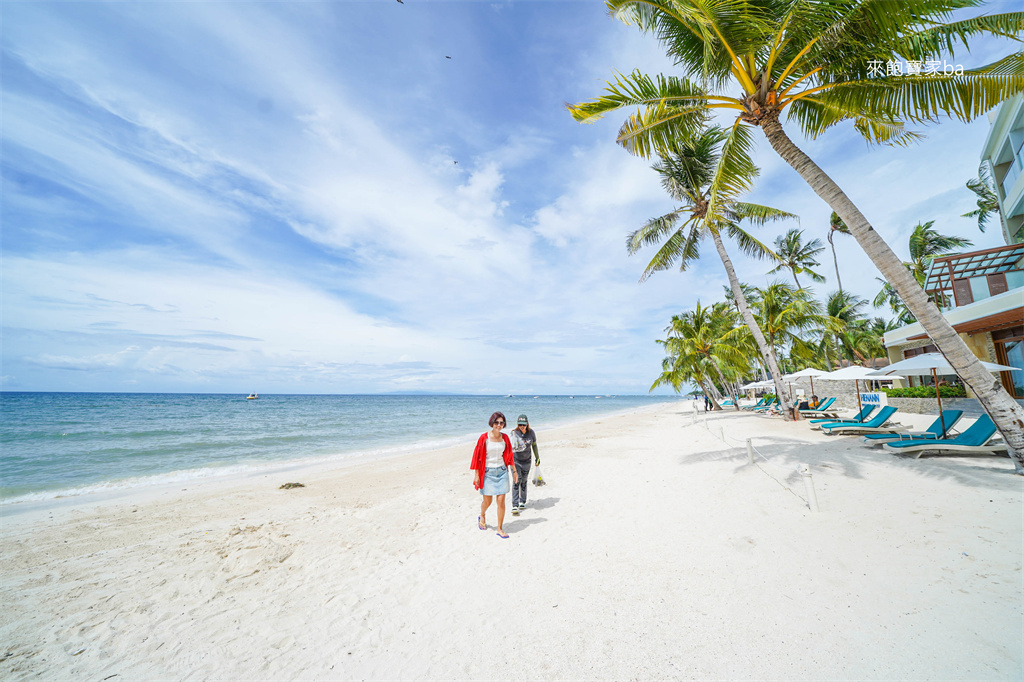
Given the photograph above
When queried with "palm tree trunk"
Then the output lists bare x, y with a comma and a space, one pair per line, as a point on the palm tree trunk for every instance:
797, 281
711, 392
726, 385
1006, 413
831, 233
767, 351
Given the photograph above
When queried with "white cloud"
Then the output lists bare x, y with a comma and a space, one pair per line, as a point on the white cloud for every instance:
274, 216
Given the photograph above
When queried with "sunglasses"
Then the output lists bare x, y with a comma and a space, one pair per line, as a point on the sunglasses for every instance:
499, 423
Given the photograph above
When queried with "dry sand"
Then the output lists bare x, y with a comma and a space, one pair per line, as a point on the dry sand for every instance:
656, 551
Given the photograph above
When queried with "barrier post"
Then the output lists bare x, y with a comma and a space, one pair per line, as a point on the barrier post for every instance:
805, 473
750, 452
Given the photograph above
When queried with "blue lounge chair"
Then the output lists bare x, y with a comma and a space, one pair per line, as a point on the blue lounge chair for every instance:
877, 423
821, 410
760, 403
973, 441
861, 416
949, 417
765, 408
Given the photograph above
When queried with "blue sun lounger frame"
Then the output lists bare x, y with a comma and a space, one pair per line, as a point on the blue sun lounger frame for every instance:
877, 423
760, 404
973, 441
949, 417
861, 416
820, 411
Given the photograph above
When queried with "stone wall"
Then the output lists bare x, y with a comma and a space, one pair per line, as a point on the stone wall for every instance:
970, 406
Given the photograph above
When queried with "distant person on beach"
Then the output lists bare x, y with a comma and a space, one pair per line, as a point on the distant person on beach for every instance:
492, 458
707, 403
524, 443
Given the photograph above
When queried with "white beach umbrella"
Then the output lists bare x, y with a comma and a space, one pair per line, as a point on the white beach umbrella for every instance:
930, 364
808, 373
852, 373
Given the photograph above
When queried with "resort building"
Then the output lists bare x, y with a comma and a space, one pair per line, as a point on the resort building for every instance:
981, 293
1004, 154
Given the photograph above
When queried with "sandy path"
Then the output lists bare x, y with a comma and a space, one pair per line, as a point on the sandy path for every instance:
655, 551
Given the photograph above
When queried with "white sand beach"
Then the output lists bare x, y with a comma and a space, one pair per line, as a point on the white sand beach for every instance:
655, 551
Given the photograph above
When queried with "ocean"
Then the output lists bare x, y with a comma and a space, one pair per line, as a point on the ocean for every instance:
64, 444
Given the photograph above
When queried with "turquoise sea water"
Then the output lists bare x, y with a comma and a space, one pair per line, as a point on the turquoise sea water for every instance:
55, 444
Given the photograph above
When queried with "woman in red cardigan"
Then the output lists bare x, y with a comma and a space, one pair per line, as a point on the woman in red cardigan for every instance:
492, 458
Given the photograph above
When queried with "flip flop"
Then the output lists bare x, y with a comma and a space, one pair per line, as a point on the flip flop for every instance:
480, 523
503, 536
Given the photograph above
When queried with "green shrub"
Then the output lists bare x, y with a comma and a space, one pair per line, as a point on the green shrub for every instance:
926, 392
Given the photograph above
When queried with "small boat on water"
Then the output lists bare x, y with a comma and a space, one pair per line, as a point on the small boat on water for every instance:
252, 396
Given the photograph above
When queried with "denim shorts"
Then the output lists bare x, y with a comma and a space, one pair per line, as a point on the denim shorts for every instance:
496, 481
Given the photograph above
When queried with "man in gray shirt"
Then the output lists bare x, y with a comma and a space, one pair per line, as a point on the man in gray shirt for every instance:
524, 442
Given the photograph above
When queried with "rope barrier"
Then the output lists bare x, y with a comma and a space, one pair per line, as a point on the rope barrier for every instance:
811, 502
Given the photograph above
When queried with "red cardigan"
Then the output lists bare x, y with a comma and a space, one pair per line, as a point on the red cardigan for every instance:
479, 461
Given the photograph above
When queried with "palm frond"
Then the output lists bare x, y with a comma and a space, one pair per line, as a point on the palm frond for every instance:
921, 98
735, 171
748, 243
943, 38
640, 90
652, 232
760, 215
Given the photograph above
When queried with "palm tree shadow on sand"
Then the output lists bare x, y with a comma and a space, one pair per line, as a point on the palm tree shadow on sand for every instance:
847, 457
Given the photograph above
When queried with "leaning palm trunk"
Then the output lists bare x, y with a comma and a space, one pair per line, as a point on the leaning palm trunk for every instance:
835, 260
710, 391
716, 396
1006, 413
767, 351
726, 385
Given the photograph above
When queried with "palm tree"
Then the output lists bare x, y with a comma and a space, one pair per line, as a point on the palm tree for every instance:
988, 204
705, 175
675, 372
707, 337
826, 62
847, 310
787, 314
796, 256
925, 245
836, 224
888, 296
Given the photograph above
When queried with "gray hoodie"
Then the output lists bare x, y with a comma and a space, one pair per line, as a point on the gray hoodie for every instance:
522, 443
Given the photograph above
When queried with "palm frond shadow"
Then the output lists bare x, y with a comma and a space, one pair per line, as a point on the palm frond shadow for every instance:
847, 456
783, 456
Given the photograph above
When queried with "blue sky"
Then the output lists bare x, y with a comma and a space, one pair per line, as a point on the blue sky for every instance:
356, 197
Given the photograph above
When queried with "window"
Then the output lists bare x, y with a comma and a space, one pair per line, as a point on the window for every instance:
1009, 345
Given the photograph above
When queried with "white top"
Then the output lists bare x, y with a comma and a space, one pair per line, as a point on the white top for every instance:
494, 452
